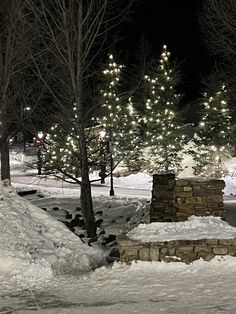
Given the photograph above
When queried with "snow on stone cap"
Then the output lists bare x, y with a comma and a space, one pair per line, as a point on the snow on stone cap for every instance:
195, 228
30, 235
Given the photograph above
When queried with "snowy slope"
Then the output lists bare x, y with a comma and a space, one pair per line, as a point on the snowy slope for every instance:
33, 243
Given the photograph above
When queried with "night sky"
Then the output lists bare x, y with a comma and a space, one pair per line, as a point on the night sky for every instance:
174, 23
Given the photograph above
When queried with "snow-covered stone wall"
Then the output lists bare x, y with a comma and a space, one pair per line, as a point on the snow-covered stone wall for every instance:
176, 200
174, 251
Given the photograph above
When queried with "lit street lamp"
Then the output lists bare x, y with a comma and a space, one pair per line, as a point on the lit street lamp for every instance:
103, 143
39, 153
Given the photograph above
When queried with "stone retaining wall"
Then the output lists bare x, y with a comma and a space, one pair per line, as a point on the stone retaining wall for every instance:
176, 200
174, 251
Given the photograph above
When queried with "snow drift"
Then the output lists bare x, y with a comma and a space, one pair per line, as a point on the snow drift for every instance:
34, 244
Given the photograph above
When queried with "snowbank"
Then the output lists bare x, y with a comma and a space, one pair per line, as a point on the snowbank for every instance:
195, 228
33, 245
140, 180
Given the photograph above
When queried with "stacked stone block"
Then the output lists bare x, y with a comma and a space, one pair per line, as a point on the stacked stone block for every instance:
163, 198
176, 200
198, 197
174, 251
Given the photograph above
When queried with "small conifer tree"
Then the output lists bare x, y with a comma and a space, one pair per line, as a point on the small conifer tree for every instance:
119, 118
164, 136
213, 139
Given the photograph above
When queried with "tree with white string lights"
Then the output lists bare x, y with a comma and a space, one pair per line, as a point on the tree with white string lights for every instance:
164, 136
213, 140
62, 154
118, 117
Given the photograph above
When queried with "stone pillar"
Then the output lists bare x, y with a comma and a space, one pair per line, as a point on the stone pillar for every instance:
163, 198
176, 200
199, 197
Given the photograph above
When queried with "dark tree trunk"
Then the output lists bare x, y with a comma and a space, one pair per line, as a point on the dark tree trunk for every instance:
166, 161
87, 207
85, 196
5, 159
77, 83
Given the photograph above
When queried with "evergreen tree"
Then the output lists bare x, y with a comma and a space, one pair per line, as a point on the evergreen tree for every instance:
214, 135
164, 138
118, 118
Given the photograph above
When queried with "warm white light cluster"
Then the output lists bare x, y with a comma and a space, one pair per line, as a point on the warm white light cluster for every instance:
213, 141
118, 116
164, 136
63, 147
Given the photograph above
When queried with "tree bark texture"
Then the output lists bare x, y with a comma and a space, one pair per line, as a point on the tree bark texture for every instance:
5, 160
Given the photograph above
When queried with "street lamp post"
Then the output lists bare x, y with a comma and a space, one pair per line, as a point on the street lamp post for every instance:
111, 163
102, 162
111, 167
106, 149
39, 153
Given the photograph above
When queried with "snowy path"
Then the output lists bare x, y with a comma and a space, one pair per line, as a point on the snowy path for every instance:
97, 188
202, 287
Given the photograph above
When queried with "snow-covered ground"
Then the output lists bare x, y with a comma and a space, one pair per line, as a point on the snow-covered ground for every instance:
46, 269
196, 228
143, 287
34, 243
139, 181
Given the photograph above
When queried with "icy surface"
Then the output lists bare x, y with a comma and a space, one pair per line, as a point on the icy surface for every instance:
195, 228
